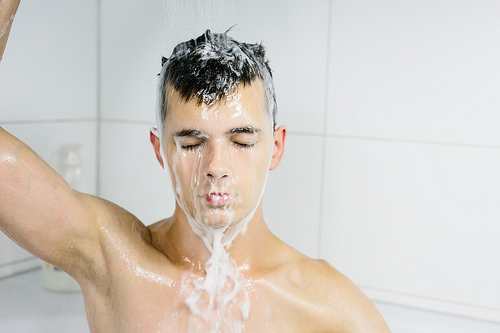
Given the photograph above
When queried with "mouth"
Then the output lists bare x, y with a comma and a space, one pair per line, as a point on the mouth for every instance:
217, 199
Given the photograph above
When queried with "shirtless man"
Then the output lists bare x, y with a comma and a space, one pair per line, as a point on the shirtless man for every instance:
213, 266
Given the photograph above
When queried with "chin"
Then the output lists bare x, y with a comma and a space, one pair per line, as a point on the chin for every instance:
218, 222
218, 218
218, 225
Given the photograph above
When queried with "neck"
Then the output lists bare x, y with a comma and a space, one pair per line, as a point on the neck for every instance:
188, 249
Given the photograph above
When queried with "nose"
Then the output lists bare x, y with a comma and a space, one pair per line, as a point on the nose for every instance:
218, 162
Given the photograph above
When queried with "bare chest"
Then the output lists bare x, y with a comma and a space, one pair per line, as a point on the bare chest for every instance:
179, 308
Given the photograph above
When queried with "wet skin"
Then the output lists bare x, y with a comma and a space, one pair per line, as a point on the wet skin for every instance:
132, 275
218, 155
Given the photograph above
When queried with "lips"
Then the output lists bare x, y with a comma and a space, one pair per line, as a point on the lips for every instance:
218, 199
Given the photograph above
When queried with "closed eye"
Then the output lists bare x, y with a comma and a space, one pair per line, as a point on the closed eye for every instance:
243, 145
192, 146
244, 137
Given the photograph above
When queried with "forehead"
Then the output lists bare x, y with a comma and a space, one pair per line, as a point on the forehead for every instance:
246, 103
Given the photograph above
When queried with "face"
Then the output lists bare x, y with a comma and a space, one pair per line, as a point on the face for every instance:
218, 155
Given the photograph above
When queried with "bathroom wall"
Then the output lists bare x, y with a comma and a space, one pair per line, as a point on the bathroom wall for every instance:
391, 108
412, 152
48, 90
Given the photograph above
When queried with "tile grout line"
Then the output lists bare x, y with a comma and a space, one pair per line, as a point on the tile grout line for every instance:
423, 297
47, 121
128, 121
422, 142
97, 179
323, 146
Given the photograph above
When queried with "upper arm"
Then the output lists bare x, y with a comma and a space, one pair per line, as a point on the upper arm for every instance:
40, 211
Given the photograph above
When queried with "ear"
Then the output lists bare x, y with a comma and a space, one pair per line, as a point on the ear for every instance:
279, 147
155, 141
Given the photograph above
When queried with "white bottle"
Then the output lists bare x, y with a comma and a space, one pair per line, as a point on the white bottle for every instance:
68, 163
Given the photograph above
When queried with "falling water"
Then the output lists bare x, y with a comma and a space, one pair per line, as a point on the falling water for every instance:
187, 19
217, 301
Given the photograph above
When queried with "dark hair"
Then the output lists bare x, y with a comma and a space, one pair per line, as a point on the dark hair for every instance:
209, 67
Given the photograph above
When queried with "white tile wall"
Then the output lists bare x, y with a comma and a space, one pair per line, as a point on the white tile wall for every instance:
425, 213
415, 74
49, 67
130, 174
293, 197
131, 50
423, 70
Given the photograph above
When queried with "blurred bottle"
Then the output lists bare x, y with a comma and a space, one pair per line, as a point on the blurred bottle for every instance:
68, 163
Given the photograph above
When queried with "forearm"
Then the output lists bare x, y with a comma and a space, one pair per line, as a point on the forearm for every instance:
8, 10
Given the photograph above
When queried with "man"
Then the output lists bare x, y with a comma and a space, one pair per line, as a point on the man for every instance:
213, 266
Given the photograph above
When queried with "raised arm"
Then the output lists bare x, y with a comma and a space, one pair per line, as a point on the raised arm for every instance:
8, 10
41, 212
38, 209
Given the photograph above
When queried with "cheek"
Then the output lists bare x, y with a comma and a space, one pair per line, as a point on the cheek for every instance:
187, 168
252, 171
181, 172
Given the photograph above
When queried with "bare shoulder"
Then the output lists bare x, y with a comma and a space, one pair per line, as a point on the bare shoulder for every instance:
111, 216
112, 227
342, 306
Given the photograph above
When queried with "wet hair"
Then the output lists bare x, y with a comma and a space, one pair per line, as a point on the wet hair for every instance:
210, 67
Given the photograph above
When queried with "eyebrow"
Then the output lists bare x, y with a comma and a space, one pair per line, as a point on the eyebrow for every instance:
243, 130
190, 132
232, 131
